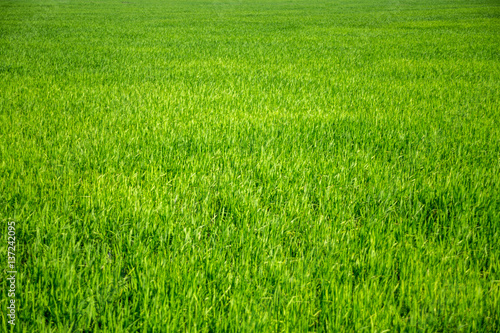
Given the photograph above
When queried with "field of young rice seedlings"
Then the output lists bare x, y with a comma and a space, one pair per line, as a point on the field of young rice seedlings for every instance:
250, 166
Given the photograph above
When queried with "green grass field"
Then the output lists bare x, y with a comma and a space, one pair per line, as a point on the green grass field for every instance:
251, 166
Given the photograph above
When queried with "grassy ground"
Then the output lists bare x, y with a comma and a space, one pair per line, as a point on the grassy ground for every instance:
251, 165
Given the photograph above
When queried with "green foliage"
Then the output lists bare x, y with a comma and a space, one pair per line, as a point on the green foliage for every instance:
251, 165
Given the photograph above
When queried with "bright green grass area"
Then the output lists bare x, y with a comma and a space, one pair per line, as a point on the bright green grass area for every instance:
251, 165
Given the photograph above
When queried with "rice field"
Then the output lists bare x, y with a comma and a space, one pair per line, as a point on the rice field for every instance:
251, 166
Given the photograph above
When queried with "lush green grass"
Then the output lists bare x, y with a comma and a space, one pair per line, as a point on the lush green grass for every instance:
251, 165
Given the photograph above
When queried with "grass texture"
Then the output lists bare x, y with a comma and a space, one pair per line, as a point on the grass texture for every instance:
251, 166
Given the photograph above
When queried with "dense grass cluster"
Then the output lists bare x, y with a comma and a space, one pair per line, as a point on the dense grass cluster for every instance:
251, 165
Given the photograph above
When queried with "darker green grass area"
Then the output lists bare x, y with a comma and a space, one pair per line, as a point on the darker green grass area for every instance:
251, 165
